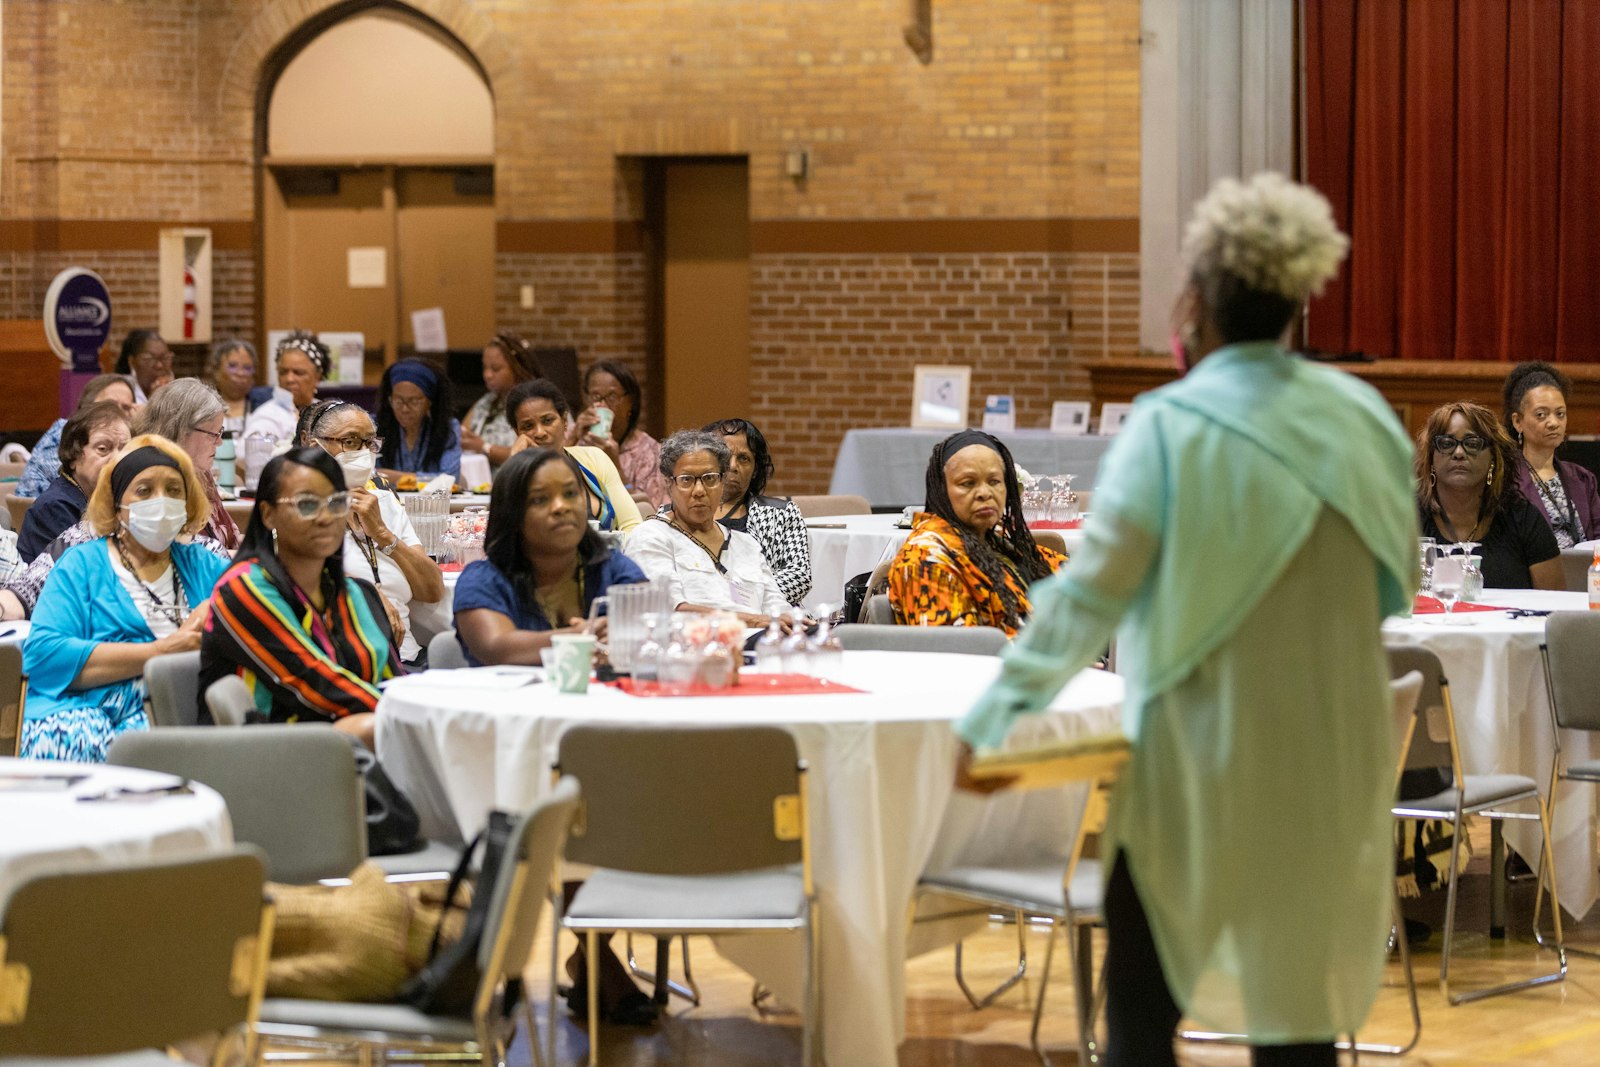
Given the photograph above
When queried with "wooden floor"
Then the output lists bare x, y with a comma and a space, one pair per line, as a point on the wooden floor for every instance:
1552, 1025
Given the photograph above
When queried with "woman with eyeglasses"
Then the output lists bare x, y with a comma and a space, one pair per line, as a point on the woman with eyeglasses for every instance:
44, 462
707, 566
92, 437
508, 361
147, 361
776, 524
420, 435
380, 544
111, 604
540, 412
189, 413
1466, 468
1535, 413
611, 385
231, 369
312, 642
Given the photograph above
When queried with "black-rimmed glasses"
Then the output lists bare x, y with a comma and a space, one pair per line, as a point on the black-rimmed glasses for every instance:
1473, 443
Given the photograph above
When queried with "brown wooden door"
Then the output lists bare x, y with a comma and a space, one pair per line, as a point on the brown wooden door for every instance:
705, 291
446, 254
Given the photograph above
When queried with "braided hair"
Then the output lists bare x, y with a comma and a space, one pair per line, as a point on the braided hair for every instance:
1009, 545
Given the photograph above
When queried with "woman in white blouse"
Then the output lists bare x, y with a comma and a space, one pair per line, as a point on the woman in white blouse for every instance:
706, 566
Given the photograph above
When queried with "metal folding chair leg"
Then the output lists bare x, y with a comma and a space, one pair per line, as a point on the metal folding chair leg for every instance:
979, 1003
687, 989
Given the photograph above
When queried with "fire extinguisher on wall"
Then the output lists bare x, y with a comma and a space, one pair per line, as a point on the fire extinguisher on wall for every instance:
190, 311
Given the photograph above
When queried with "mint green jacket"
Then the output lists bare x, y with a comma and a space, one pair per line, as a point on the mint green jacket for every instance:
1253, 525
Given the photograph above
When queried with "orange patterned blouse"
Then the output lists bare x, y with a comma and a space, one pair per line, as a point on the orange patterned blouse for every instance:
932, 582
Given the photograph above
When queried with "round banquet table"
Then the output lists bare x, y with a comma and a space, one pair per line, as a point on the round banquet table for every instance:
843, 546
882, 805
1496, 676
51, 830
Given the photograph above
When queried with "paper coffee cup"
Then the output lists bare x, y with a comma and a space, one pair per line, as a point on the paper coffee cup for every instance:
602, 425
574, 660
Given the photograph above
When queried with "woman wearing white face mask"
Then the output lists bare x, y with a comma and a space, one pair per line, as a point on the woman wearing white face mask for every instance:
112, 603
380, 544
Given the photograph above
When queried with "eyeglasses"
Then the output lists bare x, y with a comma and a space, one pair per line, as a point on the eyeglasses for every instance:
213, 434
355, 444
710, 479
309, 505
1473, 444
610, 400
407, 402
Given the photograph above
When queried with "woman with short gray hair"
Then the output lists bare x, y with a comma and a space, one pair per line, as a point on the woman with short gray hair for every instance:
706, 567
189, 413
231, 370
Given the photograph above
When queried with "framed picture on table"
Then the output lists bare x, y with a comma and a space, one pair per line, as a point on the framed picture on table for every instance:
1112, 416
939, 397
1069, 417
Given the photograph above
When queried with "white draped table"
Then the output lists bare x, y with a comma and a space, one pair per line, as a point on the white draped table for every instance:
1496, 677
52, 830
880, 788
889, 465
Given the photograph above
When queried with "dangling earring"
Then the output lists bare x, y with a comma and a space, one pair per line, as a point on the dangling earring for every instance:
274, 542
1519, 438
1491, 473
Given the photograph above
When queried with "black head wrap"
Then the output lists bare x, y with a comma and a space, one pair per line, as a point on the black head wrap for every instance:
135, 463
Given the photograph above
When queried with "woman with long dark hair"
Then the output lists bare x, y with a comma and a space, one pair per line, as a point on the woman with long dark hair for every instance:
970, 558
420, 435
542, 567
776, 524
311, 642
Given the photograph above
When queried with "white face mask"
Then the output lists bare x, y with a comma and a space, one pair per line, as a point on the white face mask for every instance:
154, 523
358, 466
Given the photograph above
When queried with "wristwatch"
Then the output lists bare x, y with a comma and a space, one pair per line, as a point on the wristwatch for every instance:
388, 549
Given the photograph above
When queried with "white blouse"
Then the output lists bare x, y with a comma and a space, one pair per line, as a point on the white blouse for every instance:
739, 581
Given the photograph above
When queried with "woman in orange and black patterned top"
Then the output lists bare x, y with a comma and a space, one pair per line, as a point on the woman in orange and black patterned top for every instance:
970, 558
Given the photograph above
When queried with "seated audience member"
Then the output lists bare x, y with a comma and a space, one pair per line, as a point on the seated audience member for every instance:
189, 413
113, 603
420, 436
970, 558
43, 463
543, 563
776, 524
147, 362
310, 641
636, 454
379, 543
539, 410
91, 437
1466, 491
1562, 491
707, 566
508, 361
302, 362
231, 370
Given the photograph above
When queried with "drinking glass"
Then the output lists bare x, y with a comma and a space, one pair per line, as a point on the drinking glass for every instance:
647, 657
796, 649
1447, 576
827, 654
680, 660
769, 649
1428, 549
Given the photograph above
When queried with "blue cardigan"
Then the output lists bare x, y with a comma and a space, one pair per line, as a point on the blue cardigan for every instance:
84, 605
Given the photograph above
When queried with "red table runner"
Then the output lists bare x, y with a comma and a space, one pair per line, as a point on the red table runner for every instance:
1427, 605
749, 685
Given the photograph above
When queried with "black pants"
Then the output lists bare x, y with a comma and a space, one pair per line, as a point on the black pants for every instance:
1140, 1011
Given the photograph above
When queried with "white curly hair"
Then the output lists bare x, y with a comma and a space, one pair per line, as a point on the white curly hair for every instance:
1270, 233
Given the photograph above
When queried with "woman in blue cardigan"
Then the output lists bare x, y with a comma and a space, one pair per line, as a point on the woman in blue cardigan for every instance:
113, 603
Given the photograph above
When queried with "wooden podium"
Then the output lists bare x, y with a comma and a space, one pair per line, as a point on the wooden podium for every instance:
30, 396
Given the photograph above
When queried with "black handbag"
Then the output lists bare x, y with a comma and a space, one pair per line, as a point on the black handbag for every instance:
393, 826
447, 984
855, 596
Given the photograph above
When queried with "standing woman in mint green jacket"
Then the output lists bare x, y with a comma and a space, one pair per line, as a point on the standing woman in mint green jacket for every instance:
1254, 524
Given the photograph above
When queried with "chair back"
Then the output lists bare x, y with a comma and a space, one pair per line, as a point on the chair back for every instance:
172, 689
1403, 693
524, 882
876, 611
229, 701
1051, 539
292, 791
1433, 743
662, 800
1575, 568
969, 640
11, 688
1571, 642
17, 508
133, 957
444, 651
815, 507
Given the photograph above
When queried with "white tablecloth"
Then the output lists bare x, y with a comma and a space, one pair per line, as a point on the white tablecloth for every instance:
53, 830
1503, 721
14, 633
880, 793
889, 465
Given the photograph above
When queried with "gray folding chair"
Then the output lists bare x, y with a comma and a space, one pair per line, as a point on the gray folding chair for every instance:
970, 640
229, 701
291, 790
522, 885
444, 651
1575, 568
172, 689
13, 690
1572, 681
815, 507
1432, 745
876, 611
697, 831
127, 958
877, 585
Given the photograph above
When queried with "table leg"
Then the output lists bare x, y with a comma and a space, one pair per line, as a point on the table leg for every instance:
1497, 880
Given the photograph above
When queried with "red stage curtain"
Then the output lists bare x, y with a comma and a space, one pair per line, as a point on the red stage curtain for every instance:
1459, 142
